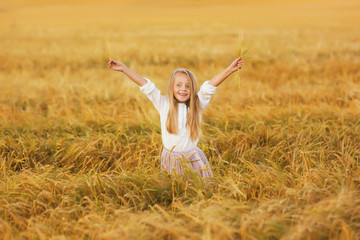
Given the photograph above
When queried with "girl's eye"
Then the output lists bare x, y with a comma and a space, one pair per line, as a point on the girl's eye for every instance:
178, 85
187, 86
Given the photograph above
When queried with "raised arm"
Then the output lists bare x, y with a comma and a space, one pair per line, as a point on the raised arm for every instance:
119, 66
146, 86
220, 77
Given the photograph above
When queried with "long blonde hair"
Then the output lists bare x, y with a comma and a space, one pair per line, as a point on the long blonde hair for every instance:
193, 118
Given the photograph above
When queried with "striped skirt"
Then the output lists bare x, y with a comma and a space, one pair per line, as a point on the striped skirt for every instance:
174, 162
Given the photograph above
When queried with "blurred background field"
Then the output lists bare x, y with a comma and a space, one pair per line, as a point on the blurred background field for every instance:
80, 144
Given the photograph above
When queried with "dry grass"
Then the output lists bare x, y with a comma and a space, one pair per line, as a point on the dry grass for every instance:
80, 145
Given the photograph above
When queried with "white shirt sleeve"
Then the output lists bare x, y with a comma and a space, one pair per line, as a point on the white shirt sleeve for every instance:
205, 93
153, 94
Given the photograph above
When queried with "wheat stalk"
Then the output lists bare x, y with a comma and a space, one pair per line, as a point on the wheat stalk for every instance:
242, 52
108, 45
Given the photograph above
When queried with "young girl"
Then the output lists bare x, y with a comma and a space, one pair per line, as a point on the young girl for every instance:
180, 114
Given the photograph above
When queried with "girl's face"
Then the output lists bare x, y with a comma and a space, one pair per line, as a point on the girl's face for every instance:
181, 88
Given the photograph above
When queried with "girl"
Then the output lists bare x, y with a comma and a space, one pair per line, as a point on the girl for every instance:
180, 114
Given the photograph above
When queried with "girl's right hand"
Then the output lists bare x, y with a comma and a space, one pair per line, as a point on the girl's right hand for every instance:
116, 65
236, 64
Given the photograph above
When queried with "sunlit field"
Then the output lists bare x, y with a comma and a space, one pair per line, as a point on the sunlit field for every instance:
80, 144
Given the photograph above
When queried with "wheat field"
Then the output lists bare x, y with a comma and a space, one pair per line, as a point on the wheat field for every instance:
80, 144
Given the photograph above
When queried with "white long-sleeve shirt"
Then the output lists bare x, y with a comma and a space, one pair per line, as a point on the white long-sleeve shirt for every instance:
182, 140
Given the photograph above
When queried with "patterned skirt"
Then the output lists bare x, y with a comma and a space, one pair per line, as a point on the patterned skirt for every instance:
175, 162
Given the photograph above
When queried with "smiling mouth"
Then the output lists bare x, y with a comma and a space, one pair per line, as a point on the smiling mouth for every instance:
182, 95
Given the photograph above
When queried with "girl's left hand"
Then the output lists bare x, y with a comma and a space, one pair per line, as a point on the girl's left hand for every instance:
236, 64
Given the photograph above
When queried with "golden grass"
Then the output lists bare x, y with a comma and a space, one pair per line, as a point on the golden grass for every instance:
242, 51
80, 145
